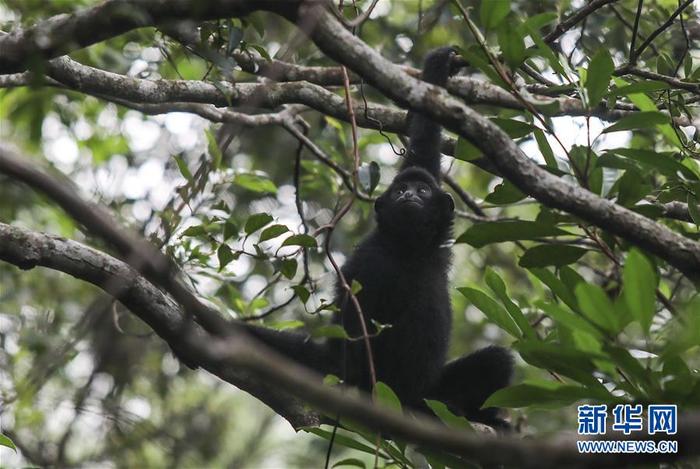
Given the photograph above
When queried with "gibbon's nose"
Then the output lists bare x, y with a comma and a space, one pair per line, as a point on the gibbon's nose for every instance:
408, 194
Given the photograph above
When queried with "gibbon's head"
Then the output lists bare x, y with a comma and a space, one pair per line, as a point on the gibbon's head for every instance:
415, 208
440, 64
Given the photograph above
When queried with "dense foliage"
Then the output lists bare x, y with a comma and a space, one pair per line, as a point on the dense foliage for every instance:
244, 209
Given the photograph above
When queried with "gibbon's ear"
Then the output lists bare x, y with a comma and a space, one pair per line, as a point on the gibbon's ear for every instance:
380, 202
448, 202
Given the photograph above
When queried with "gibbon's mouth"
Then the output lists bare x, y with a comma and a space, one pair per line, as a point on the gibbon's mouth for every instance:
417, 203
411, 201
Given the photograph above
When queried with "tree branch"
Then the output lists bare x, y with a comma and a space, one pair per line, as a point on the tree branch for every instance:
27, 250
243, 362
574, 19
551, 190
659, 30
61, 34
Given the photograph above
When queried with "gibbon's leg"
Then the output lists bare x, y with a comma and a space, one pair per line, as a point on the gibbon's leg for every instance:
466, 383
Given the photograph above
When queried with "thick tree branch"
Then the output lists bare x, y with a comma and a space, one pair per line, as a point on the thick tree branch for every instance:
27, 250
136, 251
91, 80
117, 87
246, 364
676, 210
241, 352
551, 190
673, 81
61, 34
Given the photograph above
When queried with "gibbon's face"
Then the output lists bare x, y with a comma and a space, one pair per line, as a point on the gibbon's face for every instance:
411, 195
414, 200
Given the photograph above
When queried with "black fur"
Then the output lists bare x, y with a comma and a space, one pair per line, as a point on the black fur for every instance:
424, 133
468, 381
403, 269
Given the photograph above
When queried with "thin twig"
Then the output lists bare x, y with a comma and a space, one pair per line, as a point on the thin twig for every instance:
574, 19
662, 28
687, 44
629, 26
635, 29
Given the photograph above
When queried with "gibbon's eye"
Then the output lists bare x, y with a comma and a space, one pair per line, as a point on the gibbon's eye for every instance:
423, 189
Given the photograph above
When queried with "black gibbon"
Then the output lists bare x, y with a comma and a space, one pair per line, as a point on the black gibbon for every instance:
402, 267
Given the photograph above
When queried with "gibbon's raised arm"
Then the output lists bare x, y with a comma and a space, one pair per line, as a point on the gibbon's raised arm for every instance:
424, 133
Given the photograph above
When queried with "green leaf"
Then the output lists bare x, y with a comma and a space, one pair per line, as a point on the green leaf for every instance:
498, 286
568, 361
302, 240
638, 120
447, 417
284, 325
272, 231
485, 233
465, 151
331, 380
540, 394
665, 65
230, 229
334, 331
225, 256
545, 149
355, 287
540, 20
255, 182
662, 161
493, 12
505, 193
288, 267
633, 369
256, 21
262, 51
639, 287
631, 188
693, 209
256, 221
350, 462
214, 149
600, 70
563, 316
511, 42
385, 395
342, 440
196, 230
545, 51
570, 277
184, 170
301, 292
442, 460
639, 87
645, 103
597, 307
7, 442
513, 127
550, 254
493, 311
558, 287
477, 58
